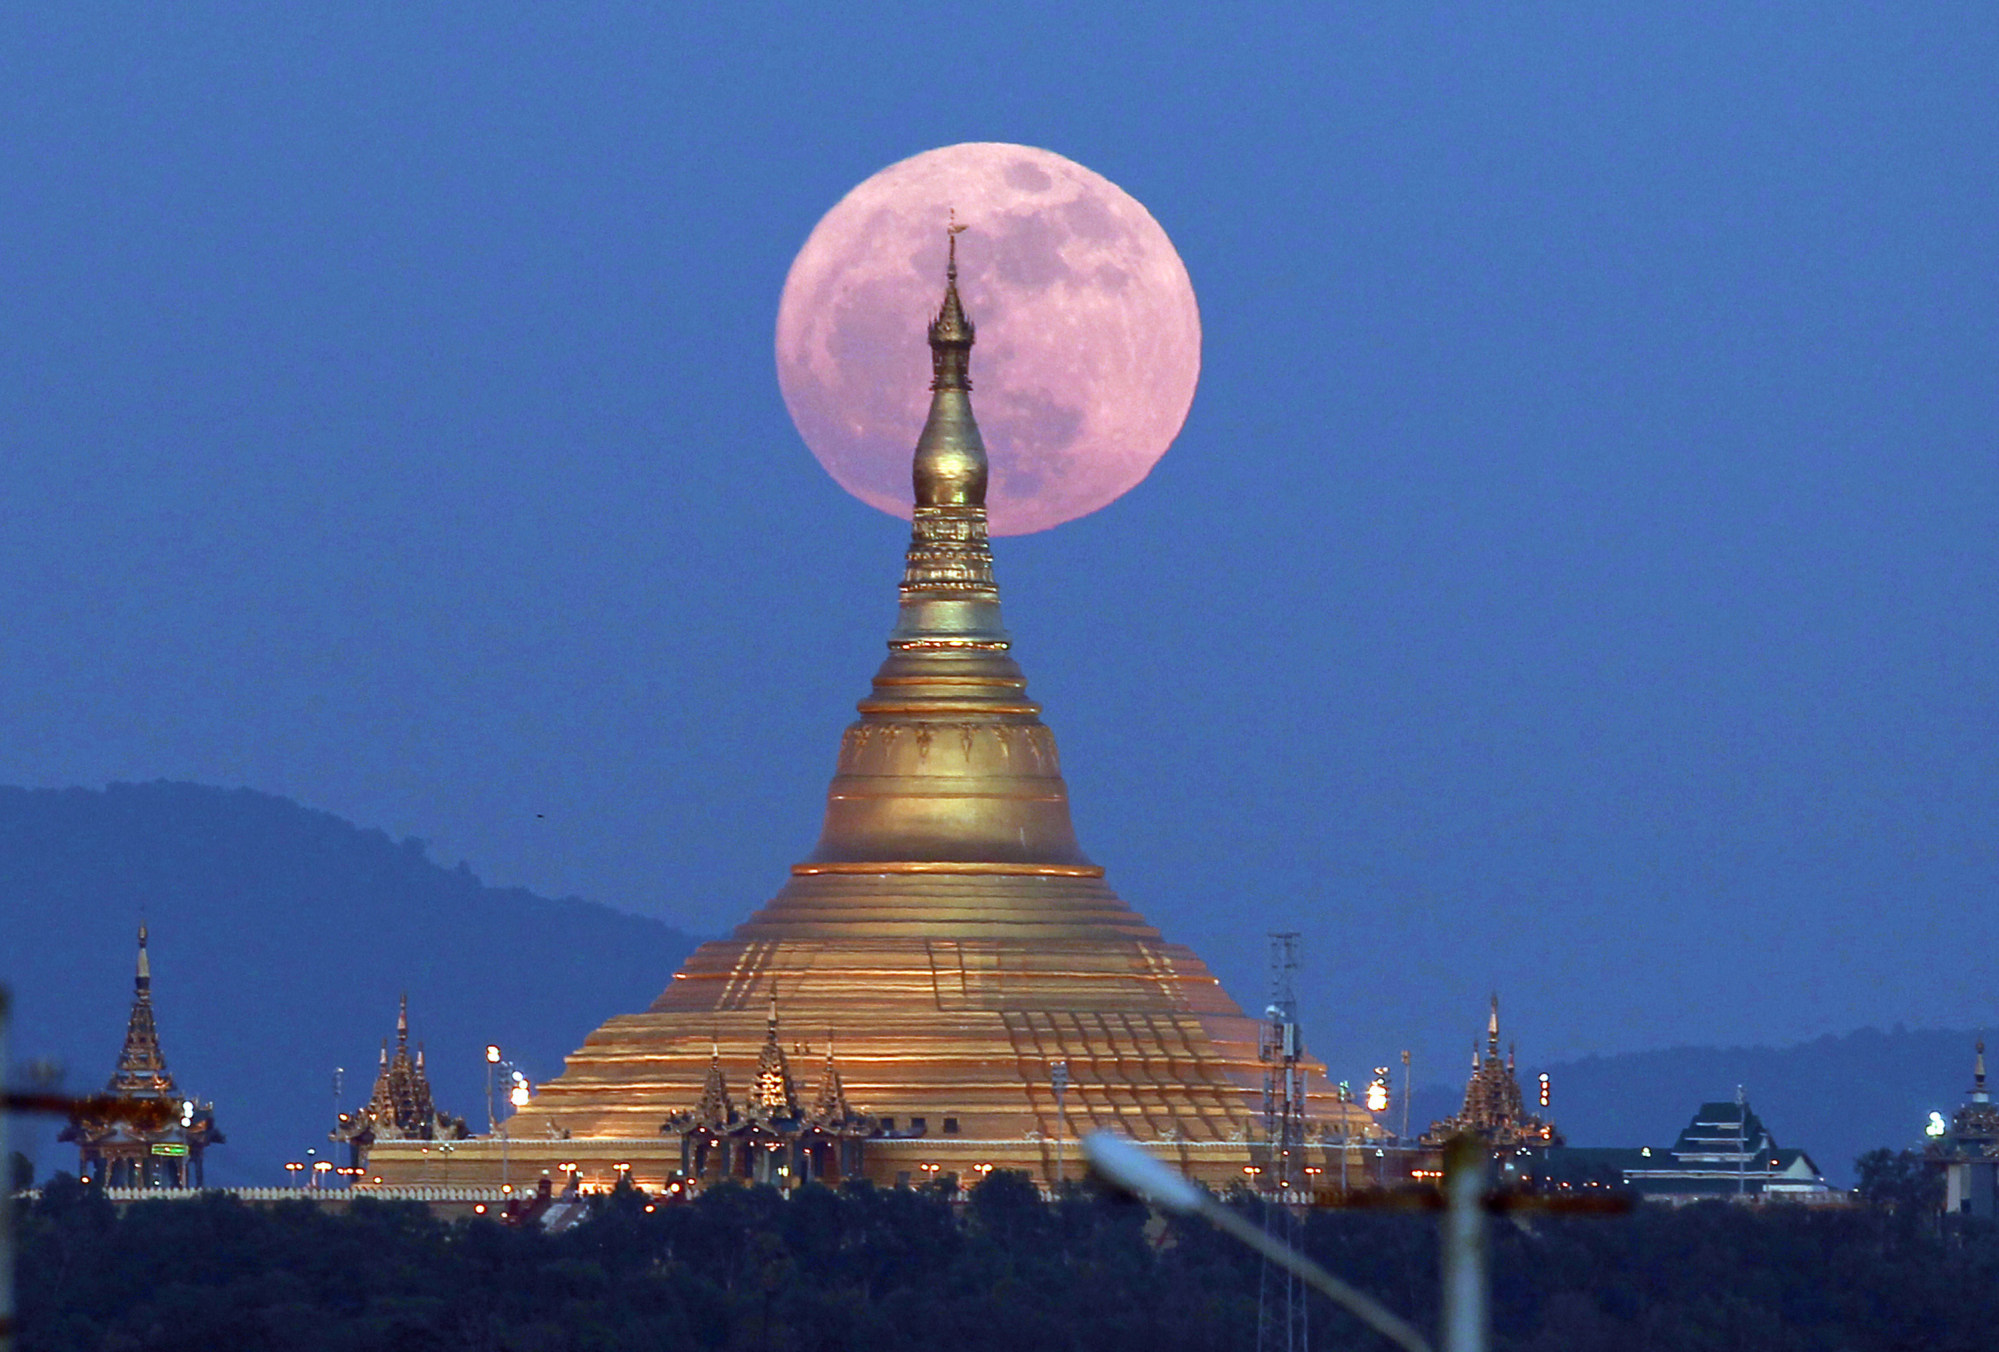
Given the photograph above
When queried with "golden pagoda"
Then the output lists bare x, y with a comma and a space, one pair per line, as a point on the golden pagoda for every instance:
947, 929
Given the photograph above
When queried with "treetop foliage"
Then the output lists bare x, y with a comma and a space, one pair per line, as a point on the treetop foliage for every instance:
889, 1270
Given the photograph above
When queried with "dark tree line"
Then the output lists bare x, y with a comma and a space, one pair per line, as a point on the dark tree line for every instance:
884, 1271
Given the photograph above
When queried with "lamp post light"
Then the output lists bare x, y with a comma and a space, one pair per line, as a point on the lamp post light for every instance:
492, 1060
294, 1168
319, 1170
518, 1096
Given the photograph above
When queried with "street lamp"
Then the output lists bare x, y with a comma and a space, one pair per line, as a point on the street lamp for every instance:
294, 1168
517, 1096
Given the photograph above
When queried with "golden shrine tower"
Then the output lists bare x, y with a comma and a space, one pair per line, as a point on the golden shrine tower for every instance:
947, 934
141, 1132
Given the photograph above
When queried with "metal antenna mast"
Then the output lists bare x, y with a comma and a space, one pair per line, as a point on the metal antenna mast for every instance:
1282, 1323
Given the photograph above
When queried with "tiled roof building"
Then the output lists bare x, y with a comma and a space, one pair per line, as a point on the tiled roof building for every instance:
1725, 1151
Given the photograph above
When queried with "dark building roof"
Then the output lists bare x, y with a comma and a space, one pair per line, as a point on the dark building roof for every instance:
1725, 1149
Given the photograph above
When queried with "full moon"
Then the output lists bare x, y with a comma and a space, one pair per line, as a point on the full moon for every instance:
1089, 340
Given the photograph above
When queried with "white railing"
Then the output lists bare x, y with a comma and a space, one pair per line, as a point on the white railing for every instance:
406, 1193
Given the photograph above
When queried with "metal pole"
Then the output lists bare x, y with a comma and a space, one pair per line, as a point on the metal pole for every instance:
1346, 1097
1467, 1245
1407, 1086
1741, 1142
1058, 1075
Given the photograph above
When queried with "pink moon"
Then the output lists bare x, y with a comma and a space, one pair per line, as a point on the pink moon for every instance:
1089, 339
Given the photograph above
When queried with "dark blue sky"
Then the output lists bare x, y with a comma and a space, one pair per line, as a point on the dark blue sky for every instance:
1575, 576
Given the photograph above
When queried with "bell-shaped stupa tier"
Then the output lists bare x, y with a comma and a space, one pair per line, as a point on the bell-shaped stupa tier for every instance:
947, 935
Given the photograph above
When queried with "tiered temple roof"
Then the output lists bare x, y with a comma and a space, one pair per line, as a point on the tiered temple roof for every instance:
1494, 1110
1725, 1150
400, 1108
771, 1138
142, 1133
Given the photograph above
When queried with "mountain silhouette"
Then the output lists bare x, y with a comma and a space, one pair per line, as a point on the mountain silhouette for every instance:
281, 940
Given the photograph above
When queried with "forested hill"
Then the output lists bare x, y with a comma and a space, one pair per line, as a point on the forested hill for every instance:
281, 939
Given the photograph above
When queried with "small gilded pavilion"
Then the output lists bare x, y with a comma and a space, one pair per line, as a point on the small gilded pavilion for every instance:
1494, 1109
771, 1138
142, 1132
947, 928
400, 1108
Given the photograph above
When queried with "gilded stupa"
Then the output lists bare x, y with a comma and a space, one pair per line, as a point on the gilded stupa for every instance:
947, 929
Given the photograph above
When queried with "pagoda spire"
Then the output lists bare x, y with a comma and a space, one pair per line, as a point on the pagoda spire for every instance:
950, 769
142, 1066
773, 1096
401, 1107
715, 1110
1978, 1090
948, 549
1492, 1027
830, 1107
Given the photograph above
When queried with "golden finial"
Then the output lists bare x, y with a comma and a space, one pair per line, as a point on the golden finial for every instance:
952, 229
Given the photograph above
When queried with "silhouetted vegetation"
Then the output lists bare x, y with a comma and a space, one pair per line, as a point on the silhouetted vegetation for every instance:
1902, 1181
863, 1268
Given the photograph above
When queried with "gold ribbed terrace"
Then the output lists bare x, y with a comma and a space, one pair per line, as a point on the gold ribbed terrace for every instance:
947, 932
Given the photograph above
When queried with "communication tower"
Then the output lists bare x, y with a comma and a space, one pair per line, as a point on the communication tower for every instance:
1281, 1317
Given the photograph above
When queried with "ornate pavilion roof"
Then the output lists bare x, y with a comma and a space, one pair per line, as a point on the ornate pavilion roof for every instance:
1494, 1109
400, 1108
149, 1107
